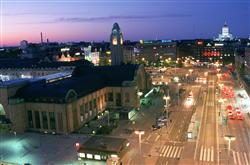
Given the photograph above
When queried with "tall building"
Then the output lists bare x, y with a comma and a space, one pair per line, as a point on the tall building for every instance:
225, 34
116, 45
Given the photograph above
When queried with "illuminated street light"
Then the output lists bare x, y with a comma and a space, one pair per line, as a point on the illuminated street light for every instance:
190, 71
179, 84
206, 73
166, 98
186, 77
139, 94
229, 138
176, 79
139, 133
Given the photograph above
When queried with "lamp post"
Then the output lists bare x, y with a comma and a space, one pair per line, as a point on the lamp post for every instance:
108, 116
139, 94
139, 133
229, 138
190, 71
186, 77
166, 98
179, 84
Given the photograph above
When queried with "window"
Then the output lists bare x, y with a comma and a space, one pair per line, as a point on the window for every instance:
37, 120
89, 156
82, 118
118, 99
82, 108
127, 97
52, 120
106, 97
90, 105
82, 155
110, 96
30, 119
94, 102
60, 121
86, 107
45, 120
97, 157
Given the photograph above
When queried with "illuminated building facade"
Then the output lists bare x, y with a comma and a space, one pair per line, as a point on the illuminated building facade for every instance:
225, 34
65, 104
116, 45
210, 51
155, 50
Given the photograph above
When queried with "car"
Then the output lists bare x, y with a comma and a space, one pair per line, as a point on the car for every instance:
162, 119
239, 116
160, 123
229, 107
155, 126
237, 109
231, 115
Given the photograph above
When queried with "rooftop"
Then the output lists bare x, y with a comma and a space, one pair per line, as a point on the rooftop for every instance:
104, 143
83, 81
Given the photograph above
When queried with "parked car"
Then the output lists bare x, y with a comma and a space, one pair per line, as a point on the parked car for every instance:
155, 126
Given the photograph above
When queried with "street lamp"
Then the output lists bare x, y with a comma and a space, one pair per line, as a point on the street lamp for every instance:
139, 133
176, 79
186, 77
190, 71
179, 84
229, 138
166, 98
107, 111
139, 94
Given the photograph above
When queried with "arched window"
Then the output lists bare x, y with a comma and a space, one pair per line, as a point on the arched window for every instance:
2, 112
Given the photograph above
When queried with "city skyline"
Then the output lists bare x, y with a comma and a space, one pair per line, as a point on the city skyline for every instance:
64, 21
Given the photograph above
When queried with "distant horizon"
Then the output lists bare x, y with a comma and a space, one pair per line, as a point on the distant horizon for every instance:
141, 19
65, 42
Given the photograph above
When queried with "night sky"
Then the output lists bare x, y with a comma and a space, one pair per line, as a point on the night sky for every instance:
86, 20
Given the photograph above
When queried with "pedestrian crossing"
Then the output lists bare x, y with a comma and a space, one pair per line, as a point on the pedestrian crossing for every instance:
241, 158
210, 103
171, 151
207, 154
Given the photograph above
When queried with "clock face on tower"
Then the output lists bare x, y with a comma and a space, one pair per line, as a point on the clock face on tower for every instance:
114, 41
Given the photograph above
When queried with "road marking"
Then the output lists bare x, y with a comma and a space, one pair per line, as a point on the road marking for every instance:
162, 150
238, 156
166, 163
166, 151
212, 154
172, 153
177, 149
208, 154
234, 157
148, 137
245, 157
201, 153
169, 151
158, 136
179, 153
204, 155
129, 161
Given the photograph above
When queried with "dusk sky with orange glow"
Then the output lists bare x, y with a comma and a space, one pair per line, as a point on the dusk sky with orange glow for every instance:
64, 21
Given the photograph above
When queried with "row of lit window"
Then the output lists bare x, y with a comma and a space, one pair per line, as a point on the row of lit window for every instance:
91, 156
